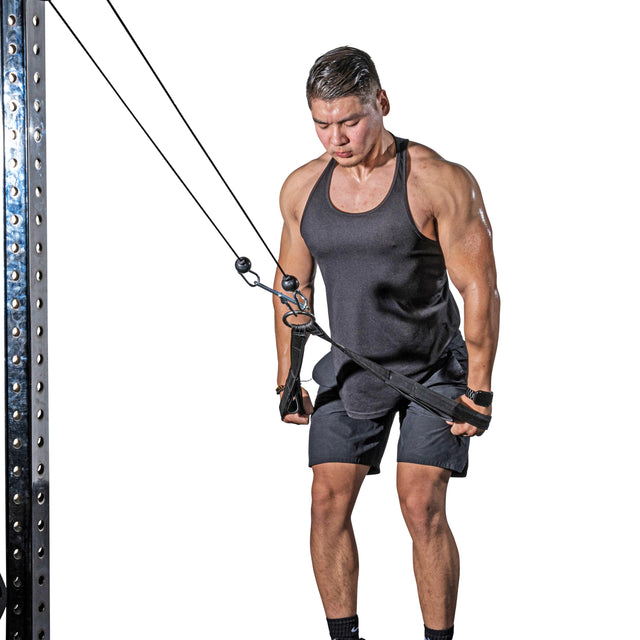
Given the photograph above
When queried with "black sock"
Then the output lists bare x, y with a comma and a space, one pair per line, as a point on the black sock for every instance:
344, 628
432, 634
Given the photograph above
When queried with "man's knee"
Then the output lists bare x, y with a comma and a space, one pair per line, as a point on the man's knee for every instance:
422, 498
334, 492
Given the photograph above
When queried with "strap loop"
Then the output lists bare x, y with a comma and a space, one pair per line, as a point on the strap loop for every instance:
291, 399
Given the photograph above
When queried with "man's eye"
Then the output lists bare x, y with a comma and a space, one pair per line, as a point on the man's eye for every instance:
352, 123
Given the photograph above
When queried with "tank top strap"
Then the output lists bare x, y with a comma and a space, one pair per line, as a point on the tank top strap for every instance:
402, 144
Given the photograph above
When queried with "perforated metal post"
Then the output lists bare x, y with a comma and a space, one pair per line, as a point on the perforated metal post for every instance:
25, 247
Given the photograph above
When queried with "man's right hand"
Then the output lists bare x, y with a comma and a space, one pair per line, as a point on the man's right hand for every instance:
296, 418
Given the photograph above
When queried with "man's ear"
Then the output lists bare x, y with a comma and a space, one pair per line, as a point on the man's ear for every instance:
383, 102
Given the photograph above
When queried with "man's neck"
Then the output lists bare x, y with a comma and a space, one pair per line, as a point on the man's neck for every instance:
381, 153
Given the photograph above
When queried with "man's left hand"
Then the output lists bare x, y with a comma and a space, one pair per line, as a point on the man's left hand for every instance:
464, 428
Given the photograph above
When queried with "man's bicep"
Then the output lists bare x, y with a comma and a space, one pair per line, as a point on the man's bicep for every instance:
465, 235
295, 257
469, 258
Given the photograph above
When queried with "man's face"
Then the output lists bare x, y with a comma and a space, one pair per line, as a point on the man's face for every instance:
347, 128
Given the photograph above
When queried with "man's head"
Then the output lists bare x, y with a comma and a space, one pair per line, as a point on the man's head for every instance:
343, 72
347, 104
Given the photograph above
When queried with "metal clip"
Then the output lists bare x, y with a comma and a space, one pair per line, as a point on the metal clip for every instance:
243, 267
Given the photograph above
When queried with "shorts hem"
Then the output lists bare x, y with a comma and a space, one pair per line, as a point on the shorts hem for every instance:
456, 471
373, 468
357, 415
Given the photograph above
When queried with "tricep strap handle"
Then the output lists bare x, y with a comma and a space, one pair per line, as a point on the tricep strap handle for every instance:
291, 401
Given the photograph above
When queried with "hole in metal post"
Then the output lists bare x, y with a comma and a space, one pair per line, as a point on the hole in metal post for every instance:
13, 77
38, 163
39, 331
15, 276
15, 304
14, 248
39, 359
39, 276
17, 526
14, 191
41, 580
17, 554
13, 163
16, 360
38, 220
15, 332
36, 49
36, 21
40, 525
37, 134
17, 443
12, 49
15, 220
40, 469
37, 105
13, 106
39, 387
41, 498
16, 415
15, 387
17, 471
36, 77
39, 303
17, 582
40, 414
41, 441
11, 20
41, 552
38, 247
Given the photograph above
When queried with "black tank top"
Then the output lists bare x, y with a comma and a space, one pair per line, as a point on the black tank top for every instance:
387, 289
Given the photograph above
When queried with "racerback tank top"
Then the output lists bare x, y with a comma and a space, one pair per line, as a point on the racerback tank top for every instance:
388, 294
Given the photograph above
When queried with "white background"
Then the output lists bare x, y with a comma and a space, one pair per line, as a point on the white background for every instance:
179, 502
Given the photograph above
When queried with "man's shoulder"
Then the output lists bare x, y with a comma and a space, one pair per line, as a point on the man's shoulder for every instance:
429, 169
302, 180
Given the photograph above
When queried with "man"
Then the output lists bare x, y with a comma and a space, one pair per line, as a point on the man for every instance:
385, 220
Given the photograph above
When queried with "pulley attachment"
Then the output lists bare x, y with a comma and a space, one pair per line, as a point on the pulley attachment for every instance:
297, 303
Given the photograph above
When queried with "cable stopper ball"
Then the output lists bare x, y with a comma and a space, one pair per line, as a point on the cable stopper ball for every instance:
243, 265
290, 283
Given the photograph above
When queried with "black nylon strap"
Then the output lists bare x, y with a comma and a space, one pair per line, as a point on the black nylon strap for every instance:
291, 401
291, 398
414, 391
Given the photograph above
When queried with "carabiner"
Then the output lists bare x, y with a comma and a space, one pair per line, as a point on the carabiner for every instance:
289, 283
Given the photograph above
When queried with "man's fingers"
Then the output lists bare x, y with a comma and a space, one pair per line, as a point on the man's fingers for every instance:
465, 429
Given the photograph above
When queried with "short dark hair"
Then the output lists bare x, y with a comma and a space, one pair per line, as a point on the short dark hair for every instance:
341, 72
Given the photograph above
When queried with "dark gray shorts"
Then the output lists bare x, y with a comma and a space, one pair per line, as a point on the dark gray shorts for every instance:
425, 438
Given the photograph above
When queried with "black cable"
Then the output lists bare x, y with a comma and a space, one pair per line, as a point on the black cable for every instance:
192, 132
133, 115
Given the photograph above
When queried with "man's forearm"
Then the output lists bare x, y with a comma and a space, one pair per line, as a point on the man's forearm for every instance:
283, 335
481, 328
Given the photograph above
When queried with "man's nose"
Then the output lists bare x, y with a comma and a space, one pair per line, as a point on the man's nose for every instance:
338, 137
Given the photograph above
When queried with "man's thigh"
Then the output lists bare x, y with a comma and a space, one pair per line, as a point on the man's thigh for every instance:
334, 437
